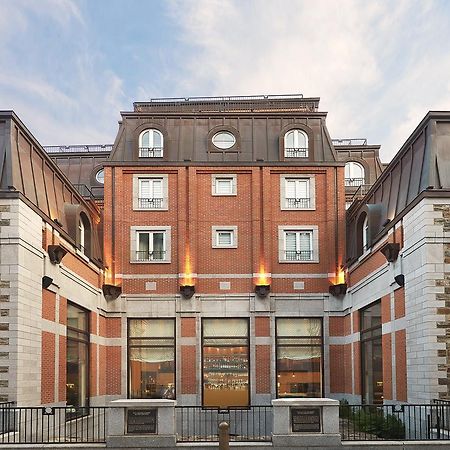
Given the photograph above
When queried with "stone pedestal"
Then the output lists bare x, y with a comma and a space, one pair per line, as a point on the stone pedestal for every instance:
306, 422
120, 435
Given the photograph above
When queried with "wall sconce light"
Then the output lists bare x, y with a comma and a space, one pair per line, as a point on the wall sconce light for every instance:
338, 290
46, 282
262, 290
57, 222
111, 292
56, 253
390, 251
400, 279
187, 291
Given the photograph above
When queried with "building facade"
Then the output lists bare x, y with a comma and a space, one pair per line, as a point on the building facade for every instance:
207, 256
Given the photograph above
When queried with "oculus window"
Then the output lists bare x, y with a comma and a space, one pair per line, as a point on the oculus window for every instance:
223, 140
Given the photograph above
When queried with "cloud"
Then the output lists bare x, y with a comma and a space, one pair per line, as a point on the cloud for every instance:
376, 65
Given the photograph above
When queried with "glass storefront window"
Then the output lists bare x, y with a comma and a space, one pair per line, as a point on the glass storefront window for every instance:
77, 387
225, 363
151, 358
299, 357
371, 354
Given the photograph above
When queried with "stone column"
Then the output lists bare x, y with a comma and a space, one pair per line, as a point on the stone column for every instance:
306, 422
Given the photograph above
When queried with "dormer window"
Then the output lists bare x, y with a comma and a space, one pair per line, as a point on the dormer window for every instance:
151, 144
84, 234
296, 144
354, 174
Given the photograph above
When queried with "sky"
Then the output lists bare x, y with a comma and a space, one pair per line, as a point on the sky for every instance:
68, 67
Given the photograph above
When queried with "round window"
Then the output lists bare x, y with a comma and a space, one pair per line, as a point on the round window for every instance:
100, 176
223, 140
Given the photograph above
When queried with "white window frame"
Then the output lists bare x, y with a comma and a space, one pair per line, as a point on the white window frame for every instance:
82, 231
134, 243
137, 205
350, 177
223, 147
287, 205
153, 152
283, 229
215, 179
215, 230
365, 235
296, 132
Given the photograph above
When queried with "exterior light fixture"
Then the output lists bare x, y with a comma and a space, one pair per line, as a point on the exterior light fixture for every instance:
46, 281
390, 251
111, 292
56, 253
400, 279
262, 290
187, 291
338, 290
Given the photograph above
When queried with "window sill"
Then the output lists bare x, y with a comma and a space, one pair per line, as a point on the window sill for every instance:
311, 261
166, 208
215, 194
285, 208
224, 247
151, 262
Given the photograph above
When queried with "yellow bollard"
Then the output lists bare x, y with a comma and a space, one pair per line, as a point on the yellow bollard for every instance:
224, 436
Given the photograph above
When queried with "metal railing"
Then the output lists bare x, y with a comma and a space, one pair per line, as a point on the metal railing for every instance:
394, 422
298, 203
296, 152
354, 182
52, 425
298, 255
157, 255
150, 152
362, 190
197, 424
150, 203
78, 148
348, 142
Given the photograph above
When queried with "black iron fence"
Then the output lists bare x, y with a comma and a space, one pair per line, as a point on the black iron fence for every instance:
395, 422
298, 255
296, 152
150, 152
52, 425
298, 203
150, 203
197, 424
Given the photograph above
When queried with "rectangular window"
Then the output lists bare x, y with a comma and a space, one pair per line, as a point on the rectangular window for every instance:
150, 193
297, 193
224, 237
225, 362
77, 368
151, 246
151, 358
371, 354
298, 246
299, 349
224, 185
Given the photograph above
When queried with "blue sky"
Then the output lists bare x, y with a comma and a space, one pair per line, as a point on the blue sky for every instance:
67, 67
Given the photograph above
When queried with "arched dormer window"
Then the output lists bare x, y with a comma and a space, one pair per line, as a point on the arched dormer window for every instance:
84, 234
151, 144
354, 174
362, 231
296, 144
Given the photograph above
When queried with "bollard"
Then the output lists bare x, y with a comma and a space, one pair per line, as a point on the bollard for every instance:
224, 436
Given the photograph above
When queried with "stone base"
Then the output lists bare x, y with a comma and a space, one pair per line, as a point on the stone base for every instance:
306, 440
141, 441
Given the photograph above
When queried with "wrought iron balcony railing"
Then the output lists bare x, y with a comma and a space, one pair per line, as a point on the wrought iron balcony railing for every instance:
298, 255
150, 152
354, 182
295, 152
298, 203
156, 255
150, 203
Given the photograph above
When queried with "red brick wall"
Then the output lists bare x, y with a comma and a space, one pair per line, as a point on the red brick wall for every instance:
188, 369
113, 370
357, 366
102, 326
386, 309
113, 327
62, 368
48, 368
188, 327
356, 321
102, 370
400, 365
347, 368
399, 302
262, 326
93, 369
62, 310
48, 305
387, 366
337, 369
366, 267
262, 372
93, 322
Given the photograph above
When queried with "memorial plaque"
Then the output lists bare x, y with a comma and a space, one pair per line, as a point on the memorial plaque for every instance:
141, 421
305, 420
